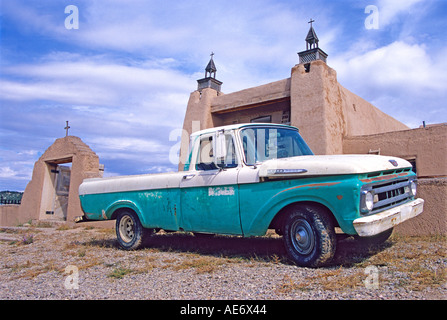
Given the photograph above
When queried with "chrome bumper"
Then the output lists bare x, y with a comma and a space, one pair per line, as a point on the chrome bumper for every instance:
377, 223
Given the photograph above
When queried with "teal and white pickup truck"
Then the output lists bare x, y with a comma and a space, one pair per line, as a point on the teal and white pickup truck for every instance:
245, 179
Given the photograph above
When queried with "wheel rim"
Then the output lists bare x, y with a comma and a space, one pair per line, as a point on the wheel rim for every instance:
303, 238
126, 229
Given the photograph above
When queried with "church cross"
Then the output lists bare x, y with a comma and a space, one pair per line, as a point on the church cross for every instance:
311, 21
66, 128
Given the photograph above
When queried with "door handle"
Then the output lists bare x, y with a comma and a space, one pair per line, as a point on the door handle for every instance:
188, 176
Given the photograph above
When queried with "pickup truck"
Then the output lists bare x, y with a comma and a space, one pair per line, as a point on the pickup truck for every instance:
247, 178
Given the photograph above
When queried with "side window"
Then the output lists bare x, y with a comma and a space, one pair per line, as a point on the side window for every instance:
230, 161
205, 158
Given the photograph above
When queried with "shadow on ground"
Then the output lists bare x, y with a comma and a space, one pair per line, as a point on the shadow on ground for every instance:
349, 251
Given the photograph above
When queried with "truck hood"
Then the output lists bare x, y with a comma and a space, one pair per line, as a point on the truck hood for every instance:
330, 165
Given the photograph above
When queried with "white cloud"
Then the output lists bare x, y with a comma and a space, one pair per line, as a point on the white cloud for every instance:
88, 81
396, 66
16, 168
7, 172
129, 145
31, 18
250, 39
67, 92
404, 80
119, 99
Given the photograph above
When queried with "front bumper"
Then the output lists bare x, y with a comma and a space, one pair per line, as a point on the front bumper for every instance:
382, 221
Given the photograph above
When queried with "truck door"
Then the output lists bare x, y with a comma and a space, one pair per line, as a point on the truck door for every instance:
209, 194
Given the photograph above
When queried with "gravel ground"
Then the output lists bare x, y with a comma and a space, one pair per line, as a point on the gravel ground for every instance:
86, 263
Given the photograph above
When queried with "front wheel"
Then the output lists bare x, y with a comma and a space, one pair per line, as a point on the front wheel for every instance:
309, 236
129, 231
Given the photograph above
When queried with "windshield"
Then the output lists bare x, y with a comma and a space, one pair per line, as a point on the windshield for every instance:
265, 143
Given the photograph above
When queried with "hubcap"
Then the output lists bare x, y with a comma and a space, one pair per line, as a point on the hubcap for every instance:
303, 238
126, 229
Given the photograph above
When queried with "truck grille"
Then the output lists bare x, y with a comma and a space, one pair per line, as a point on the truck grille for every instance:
391, 194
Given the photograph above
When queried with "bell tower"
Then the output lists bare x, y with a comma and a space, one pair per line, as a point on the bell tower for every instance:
210, 80
313, 52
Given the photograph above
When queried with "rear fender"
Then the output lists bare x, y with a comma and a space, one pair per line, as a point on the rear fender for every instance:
112, 211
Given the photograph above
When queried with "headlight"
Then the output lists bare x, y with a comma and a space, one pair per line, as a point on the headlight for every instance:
367, 201
413, 187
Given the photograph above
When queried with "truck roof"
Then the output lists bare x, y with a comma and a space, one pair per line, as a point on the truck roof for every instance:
238, 126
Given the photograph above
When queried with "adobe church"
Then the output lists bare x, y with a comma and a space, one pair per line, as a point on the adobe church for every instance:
332, 120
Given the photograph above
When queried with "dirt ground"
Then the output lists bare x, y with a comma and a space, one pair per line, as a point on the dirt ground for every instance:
86, 263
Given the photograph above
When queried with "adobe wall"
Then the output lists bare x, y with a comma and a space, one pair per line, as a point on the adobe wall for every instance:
276, 110
9, 214
308, 107
433, 220
427, 145
252, 96
197, 117
199, 109
326, 112
363, 118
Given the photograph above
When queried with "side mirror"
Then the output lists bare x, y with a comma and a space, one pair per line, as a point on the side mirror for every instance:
220, 150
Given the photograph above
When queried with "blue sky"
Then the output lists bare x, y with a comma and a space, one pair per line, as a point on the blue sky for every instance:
123, 78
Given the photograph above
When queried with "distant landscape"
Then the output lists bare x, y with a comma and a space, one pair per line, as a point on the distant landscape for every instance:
10, 197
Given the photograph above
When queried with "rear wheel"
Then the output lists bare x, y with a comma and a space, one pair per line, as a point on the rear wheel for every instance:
309, 236
129, 231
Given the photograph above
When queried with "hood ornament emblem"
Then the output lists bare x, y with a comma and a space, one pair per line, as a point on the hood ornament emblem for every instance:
393, 162
286, 171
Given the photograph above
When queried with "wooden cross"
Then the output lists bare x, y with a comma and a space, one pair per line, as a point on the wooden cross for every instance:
311, 21
66, 128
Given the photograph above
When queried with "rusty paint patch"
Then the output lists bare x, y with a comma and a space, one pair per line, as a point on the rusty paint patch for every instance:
311, 186
381, 178
339, 197
385, 177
